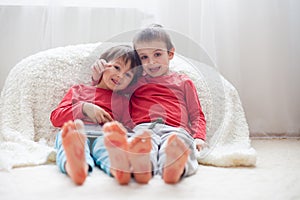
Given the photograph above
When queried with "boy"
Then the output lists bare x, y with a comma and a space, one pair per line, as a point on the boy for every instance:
94, 105
167, 105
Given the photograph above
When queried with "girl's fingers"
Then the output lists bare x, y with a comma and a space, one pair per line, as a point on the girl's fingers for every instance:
108, 117
99, 119
103, 65
103, 62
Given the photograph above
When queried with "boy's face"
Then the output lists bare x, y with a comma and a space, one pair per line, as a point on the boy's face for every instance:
154, 57
117, 76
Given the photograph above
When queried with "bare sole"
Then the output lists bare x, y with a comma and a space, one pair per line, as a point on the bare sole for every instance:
115, 141
176, 158
74, 145
140, 148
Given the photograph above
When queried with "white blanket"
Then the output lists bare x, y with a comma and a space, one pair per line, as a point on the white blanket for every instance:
36, 85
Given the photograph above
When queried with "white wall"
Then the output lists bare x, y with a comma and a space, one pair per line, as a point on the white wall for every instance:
26, 30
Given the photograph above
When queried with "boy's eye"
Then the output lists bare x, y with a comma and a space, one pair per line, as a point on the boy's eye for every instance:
128, 75
157, 54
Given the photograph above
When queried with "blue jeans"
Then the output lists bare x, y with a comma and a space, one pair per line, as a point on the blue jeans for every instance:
94, 155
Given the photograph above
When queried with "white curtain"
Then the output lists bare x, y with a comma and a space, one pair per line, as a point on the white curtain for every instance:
258, 50
255, 44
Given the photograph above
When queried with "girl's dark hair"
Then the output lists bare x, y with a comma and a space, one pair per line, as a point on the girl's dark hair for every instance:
154, 32
127, 54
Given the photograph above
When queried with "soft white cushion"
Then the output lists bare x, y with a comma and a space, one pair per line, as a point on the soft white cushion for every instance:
36, 85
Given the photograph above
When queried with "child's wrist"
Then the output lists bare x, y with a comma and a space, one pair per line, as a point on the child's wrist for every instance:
83, 109
93, 79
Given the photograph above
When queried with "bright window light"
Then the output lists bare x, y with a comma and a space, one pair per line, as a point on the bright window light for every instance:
77, 3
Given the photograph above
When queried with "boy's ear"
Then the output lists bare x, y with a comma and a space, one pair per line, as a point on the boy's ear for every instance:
171, 53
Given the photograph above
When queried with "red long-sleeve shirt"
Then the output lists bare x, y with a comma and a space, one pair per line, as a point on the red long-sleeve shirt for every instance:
171, 97
70, 108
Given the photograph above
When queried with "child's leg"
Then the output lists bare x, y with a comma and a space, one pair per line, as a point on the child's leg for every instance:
71, 156
139, 157
174, 160
115, 141
155, 143
100, 155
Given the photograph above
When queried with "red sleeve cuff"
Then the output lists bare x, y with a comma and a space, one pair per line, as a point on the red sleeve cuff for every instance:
200, 136
77, 111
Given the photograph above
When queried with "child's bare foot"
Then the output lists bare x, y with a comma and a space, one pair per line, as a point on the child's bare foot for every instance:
73, 141
139, 157
176, 157
115, 141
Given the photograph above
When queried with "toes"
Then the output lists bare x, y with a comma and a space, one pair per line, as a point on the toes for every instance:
79, 125
114, 127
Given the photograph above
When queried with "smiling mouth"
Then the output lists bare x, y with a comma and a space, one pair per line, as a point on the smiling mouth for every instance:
154, 69
115, 82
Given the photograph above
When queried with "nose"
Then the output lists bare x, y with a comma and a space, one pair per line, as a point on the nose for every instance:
151, 60
120, 75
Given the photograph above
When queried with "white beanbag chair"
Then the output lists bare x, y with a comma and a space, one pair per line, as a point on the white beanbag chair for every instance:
36, 85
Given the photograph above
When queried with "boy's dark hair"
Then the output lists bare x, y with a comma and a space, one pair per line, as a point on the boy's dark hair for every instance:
152, 33
127, 54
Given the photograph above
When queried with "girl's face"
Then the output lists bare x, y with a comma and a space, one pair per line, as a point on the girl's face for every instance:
117, 76
155, 57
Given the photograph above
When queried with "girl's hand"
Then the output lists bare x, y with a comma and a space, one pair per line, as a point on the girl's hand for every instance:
200, 144
96, 113
98, 68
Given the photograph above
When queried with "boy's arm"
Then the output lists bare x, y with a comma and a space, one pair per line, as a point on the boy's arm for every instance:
126, 118
196, 116
70, 108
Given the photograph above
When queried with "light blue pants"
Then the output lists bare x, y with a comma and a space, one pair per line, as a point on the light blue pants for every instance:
95, 154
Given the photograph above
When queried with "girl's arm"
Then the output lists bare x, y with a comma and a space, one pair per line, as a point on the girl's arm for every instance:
70, 108
95, 113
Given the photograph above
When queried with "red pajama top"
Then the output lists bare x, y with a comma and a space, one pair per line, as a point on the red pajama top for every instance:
171, 97
70, 108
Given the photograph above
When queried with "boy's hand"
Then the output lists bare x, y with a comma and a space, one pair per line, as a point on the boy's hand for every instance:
96, 113
98, 68
200, 144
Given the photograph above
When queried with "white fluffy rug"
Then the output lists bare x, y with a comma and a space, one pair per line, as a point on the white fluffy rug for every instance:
35, 86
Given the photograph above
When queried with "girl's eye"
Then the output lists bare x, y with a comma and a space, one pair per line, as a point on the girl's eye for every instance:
143, 57
117, 67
